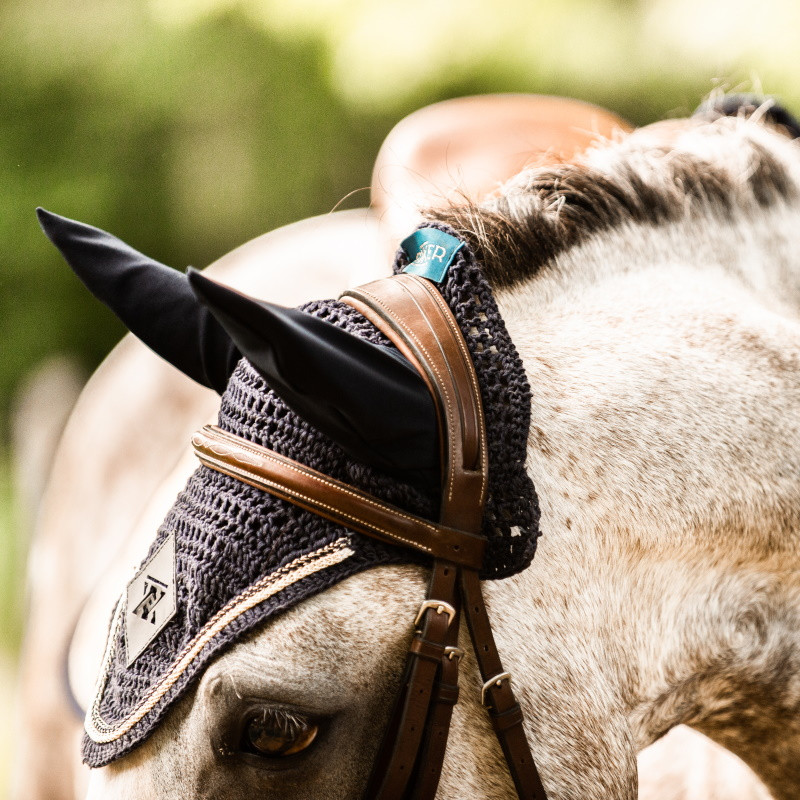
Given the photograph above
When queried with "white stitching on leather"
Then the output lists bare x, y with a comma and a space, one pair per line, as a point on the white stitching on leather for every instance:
234, 472
470, 369
431, 363
259, 454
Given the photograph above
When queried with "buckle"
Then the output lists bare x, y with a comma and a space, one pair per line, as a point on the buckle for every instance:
454, 653
441, 608
495, 681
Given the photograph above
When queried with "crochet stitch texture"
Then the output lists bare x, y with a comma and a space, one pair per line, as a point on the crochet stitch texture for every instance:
229, 536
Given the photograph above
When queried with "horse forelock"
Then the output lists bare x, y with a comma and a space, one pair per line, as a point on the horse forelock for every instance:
665, 173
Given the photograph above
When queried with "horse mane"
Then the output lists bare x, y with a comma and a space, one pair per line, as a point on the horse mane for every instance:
546, 210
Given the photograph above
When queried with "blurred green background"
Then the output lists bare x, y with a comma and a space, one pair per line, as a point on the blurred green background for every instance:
189, 126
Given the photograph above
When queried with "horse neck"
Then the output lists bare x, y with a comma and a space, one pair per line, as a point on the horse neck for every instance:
665, 445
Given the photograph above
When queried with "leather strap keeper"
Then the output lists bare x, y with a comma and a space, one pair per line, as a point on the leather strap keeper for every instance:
507, 719
422, 648
447, 693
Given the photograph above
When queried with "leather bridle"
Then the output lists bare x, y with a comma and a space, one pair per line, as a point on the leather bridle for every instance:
411, 312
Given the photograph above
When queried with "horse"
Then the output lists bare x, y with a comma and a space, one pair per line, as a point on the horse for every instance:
650, 286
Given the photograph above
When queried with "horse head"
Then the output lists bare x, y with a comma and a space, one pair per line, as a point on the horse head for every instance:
633, 315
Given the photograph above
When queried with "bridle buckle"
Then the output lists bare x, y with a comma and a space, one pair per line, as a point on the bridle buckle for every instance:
495, 681
441, 608
451, 653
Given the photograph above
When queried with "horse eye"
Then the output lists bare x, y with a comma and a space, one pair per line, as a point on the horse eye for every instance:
276, 734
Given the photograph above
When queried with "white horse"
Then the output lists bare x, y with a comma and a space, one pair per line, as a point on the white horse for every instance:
660, 335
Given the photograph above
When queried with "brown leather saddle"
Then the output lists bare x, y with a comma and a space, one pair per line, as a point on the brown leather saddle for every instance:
410, 311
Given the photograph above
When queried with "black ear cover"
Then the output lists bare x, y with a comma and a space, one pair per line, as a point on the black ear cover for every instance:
733, 105
367, 398
156, 303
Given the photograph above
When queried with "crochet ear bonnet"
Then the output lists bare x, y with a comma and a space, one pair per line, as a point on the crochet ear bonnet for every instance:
322, 386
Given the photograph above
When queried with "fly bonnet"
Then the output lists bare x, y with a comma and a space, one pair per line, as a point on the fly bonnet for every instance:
389, 425
329, 391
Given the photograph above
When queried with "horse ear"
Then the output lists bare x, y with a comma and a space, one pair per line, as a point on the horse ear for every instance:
365, 397
154, 302
744, 105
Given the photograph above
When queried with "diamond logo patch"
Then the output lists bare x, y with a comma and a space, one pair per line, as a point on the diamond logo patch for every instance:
150, 601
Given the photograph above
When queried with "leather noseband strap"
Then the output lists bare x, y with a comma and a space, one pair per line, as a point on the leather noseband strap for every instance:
410, 311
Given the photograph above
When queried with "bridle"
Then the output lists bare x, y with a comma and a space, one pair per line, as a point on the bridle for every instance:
411, 312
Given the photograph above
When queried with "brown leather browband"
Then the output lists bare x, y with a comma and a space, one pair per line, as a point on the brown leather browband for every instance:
410, 311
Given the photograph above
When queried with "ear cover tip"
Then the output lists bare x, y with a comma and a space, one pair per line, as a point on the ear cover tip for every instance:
55, 226
44, 216
201, 285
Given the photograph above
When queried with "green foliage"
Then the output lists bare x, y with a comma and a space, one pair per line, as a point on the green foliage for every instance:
11, 566
185, 142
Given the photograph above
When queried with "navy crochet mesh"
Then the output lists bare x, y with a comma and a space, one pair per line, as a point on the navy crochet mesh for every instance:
230, 537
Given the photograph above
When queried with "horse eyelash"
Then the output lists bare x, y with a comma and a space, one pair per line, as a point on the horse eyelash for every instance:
287, 723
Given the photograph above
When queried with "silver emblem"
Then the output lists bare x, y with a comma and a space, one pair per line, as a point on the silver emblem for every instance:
150, 602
